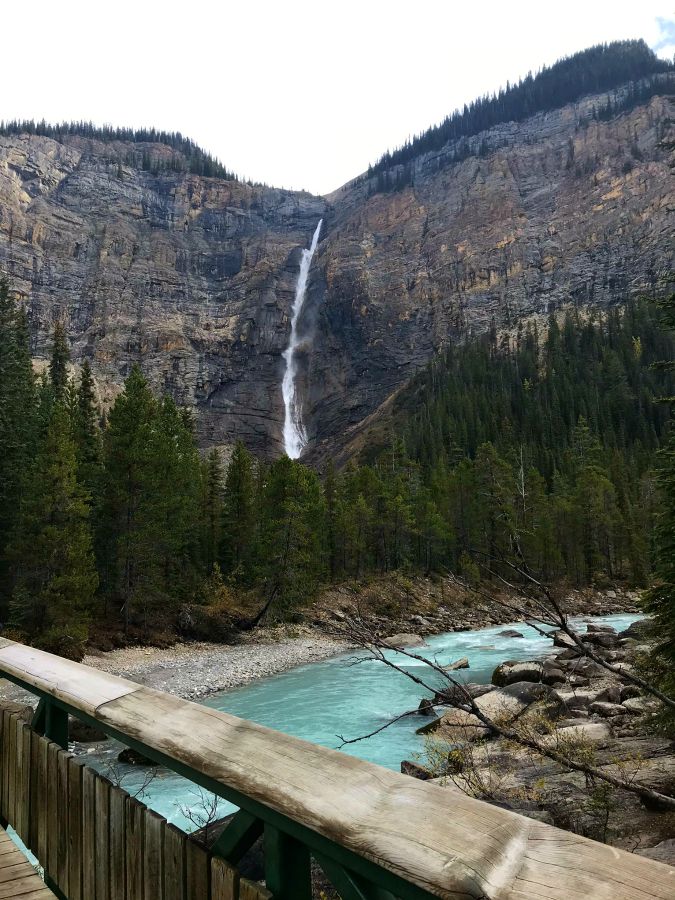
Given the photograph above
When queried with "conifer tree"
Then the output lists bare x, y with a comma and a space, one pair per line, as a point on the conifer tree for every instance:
169, 511
86, 433
127, 485
211, 509
18, 424
239, 537
660, 599
51, 550
58, 366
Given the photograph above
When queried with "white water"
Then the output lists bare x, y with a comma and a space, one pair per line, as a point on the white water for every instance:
295, 436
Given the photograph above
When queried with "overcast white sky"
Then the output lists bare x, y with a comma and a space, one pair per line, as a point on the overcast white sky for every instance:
296, 94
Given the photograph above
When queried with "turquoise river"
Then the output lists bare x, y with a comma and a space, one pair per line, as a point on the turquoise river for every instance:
339, 696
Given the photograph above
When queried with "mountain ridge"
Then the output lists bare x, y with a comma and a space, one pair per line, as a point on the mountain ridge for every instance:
193, 276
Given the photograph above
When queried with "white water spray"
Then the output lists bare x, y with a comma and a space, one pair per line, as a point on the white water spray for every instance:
295, 436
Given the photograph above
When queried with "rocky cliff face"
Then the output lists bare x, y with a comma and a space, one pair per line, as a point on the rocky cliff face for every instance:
560, 209
194, 277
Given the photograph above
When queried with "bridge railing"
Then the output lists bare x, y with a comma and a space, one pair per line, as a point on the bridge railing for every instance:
376, 835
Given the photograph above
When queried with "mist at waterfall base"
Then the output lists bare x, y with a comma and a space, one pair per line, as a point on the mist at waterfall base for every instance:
337, 696
295, 436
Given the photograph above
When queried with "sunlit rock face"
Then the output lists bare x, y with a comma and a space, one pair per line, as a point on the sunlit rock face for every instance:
194, 278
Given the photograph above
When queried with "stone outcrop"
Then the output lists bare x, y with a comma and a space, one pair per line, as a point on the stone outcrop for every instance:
193, 277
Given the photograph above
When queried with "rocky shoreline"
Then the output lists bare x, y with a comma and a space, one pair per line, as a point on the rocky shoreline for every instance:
390, 607
573, 704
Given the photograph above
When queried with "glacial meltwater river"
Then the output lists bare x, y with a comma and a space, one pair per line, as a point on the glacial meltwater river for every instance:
335, 697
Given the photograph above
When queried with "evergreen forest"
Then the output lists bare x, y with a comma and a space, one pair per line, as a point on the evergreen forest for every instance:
113, 522
602, 68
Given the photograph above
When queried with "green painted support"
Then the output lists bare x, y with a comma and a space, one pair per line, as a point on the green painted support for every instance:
343, 881
288, 872
39, 716
56, 724
238, 837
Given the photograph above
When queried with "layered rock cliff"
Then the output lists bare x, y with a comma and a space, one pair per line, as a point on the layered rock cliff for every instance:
560, 209
194, 277
191, 277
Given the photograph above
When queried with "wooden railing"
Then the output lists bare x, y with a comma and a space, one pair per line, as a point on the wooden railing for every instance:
376, 835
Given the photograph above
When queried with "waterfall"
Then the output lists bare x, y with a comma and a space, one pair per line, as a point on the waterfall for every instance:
295, 436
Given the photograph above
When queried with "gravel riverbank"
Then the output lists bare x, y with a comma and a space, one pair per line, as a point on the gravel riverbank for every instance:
195, 670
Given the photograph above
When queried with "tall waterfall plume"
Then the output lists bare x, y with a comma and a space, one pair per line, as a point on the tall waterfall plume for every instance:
295, 436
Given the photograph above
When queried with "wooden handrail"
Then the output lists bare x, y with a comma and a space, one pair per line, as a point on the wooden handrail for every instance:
439, 843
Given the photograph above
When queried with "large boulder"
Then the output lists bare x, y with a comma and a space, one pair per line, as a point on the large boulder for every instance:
510, 632
455, 694
513, 698
401, 641
605, 639
606, 710
514, 670
635, 705
598, 733
456, 726
599, 628
562, 639
426, 707
663, 852
637, 630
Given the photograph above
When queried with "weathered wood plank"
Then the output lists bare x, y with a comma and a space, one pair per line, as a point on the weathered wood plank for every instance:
17, 876
117, 871
174, 864
11, 778
4, 792
249, 890
37, 805
88, 833
3, 759
22, 781
75, 858
102, 838
83, 687
153, 856
43, 792
50, 861
134, 849
63, 842
197, 870
224, 880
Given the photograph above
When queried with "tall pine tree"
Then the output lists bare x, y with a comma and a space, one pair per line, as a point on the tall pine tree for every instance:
18, 425
51, 550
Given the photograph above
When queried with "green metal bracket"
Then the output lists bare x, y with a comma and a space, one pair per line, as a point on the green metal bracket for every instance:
288, 872
238, 837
